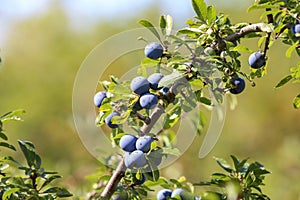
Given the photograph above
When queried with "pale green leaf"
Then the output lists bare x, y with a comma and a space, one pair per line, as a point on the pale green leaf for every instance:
288, 52
150, 26
200, 9
211, 14
296, 101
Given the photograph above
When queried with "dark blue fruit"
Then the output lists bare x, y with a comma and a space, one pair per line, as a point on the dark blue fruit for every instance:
148, 100
108, 120
238, 85
135, 159
257, 60
163, 194
140, 182
140, 85
127, 142
164, 90
98, 98
154, 80
137, 106
296, 29
144, 143
178, 192
154, 50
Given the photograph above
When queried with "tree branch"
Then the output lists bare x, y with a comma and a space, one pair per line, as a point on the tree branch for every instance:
270, 21
111, 186
244, 31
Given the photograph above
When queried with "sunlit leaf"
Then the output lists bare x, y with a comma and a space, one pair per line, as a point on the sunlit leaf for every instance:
224, 164
296, 101
288, 52
211, 14
150, 27
200, 9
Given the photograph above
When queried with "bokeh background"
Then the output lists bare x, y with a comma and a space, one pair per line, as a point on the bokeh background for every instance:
43, 43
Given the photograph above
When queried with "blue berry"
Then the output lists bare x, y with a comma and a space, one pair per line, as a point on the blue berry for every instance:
163, 194
98, 98
164, 90
154, 80
178, 192
154, 50
238, 85
140, 85
144, 143
127, 142
108, 120
137, 106
135, 159
257, 60
148, 100
296, 29
140, 182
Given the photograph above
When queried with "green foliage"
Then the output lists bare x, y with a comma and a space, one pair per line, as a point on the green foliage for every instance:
211, 47
36, 182
242, 181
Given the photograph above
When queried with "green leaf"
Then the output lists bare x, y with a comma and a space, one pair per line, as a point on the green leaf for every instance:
3, 136
170, 151
223, 163
150, 27
170, 79
147, 62
200, 9
4, 144
169, 25
205, 101
3, 167
241, 48
12, 115
163, 24
60, 192
296, 102
260, 41
49, 180
211, 14
9, 192
172, 117
261, 6
283, 81
288, 52
33, 160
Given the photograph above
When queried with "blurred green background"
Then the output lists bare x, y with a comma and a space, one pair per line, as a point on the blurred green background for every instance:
43, 43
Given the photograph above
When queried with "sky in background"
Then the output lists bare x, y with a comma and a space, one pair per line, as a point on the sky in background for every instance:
82, 13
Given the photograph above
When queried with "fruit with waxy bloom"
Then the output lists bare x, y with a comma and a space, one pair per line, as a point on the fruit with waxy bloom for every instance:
257, 60
238, 85
127, 142
108, 120
98, 98
140, 85
148, 100
154, 80
154, 50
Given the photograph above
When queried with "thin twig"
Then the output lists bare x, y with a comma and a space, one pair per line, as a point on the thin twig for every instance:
270, 21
